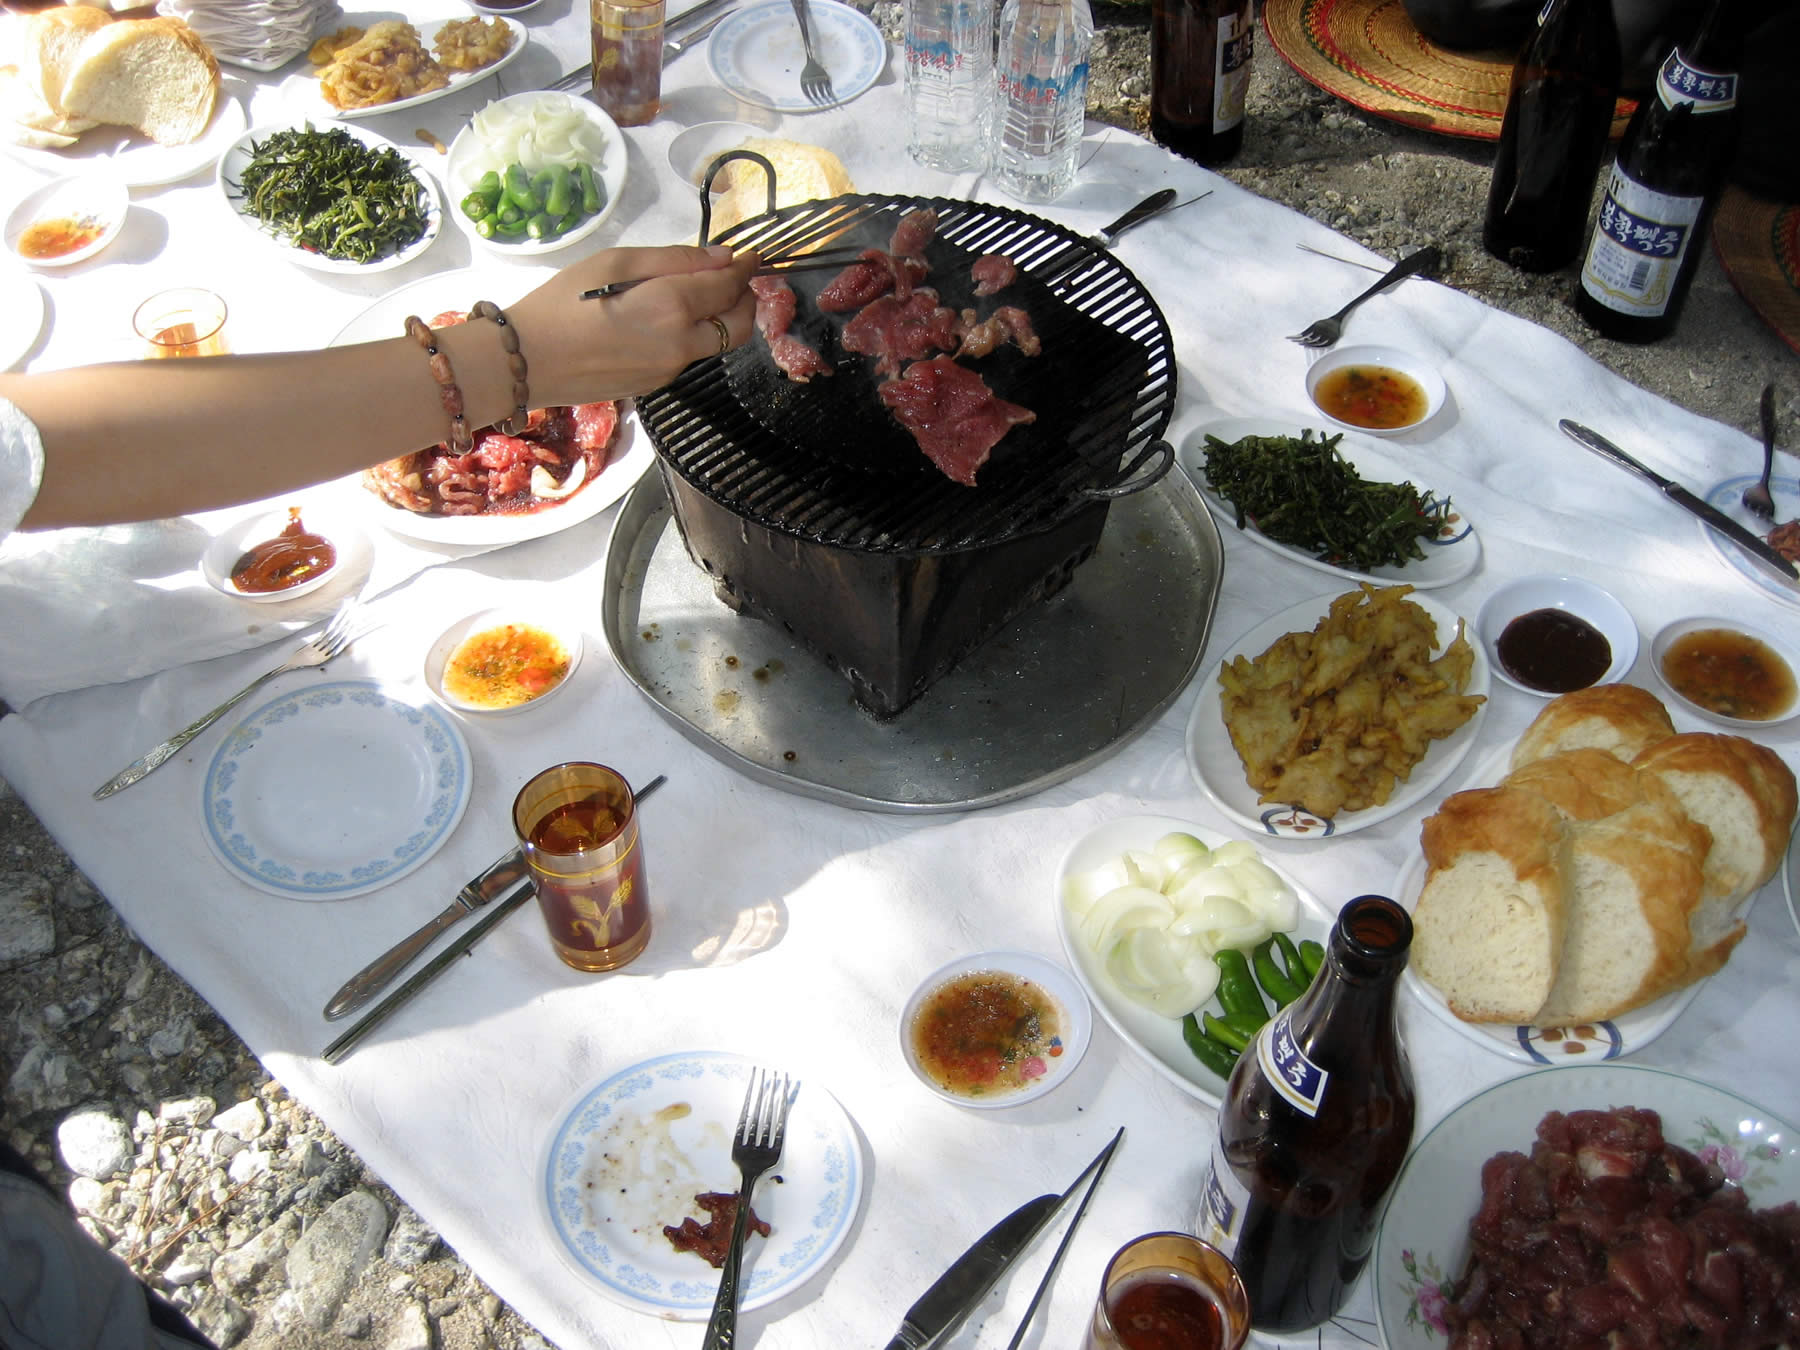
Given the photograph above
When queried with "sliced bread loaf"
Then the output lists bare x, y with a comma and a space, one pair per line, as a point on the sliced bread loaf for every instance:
154, 75
1489, 928
1585, 784
1620, 719
1636, 877
48, 45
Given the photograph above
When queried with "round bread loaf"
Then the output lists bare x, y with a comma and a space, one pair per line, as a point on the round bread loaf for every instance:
154, 75
803, 173
1489, 928
1621, 719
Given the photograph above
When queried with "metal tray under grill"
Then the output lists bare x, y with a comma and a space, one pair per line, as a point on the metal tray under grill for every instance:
743, 690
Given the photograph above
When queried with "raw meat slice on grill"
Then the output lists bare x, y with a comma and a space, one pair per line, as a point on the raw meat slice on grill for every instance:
873, 274
775, 308
993, 272
915, 230
956, 419
1009, 323
896, 331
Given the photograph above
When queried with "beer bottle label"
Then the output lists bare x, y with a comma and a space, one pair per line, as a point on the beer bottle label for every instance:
1300, 1082
1708, 91
1639, 241
1223, 1199
1231, 73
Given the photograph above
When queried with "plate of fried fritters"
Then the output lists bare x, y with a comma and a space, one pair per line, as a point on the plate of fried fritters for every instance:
379, 63
1339, 712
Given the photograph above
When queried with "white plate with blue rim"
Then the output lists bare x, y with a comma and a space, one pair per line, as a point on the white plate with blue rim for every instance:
1219, 771
1728, 496
755, 52
334, 790
237, 157
1450, 552
629, 1155
1422, 1246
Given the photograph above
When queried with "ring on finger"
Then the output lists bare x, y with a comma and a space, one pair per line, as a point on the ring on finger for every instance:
723, 331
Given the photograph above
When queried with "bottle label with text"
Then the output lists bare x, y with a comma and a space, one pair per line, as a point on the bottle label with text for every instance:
1709, 92
1299, 1081
1223, 1199
1231, 79
1639, 241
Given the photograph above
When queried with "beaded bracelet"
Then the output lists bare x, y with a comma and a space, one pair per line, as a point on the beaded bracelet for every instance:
461, 441
515, 363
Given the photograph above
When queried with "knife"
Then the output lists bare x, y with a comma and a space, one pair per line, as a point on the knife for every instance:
1108, 235
493, 881
945, 1306
1715, 519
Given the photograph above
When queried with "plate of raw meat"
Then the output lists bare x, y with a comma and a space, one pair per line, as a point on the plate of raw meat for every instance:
567, 466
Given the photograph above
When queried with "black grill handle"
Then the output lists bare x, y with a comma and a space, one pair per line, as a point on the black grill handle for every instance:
712, 172
1124, 485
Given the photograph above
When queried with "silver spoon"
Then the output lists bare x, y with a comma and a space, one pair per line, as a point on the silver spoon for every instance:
1757, 500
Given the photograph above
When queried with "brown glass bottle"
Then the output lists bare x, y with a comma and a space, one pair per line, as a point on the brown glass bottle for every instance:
1552, 138
1315, 1124
1200, 54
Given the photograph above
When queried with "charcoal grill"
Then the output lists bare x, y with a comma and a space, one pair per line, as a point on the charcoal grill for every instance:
808, 506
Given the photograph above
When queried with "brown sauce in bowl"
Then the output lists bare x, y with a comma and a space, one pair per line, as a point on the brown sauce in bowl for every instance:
1553, 650
1371, 396
987, 1033
1729, 673
279, 564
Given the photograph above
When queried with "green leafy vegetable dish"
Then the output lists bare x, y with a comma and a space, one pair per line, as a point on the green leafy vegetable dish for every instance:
330, 194
1301, 492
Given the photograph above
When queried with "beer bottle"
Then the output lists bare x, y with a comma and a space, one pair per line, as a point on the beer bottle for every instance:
1199, 75
1558, 113
1650, 232
1316, 1121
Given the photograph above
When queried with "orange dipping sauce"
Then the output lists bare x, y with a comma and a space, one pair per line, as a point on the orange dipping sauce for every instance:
505, 666
1371, 396
58, 238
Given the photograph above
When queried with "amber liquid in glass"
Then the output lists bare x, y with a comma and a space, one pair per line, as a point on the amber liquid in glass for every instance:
628, 43
1164, 1310
598, 918
184, 339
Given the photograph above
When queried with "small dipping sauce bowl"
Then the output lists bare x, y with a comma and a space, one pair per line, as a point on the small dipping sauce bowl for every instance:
698, 146
995, 1029
1549, 635
503, 660
1728, 672
67, 221
1381, 391
1170, 1291
280, 555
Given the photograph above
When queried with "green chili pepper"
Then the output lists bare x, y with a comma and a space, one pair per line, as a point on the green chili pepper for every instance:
509, 229
519, 191
1290, 960
489, 225
1245, 1024
475, 206
1219, 1058
1312, 956
1222, 1031
1278, 986
560, 194
1237, 990
512, 215
589, 187
543, 226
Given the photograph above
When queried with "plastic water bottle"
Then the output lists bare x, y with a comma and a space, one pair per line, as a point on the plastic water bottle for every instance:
949, 82
1041, 96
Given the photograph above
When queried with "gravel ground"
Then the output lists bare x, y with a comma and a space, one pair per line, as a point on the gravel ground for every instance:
186, 1159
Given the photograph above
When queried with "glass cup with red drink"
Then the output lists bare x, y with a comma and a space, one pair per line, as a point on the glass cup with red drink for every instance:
1169, 1291
577, 827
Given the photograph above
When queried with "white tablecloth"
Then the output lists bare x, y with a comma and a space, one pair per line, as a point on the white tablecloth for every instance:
790, 930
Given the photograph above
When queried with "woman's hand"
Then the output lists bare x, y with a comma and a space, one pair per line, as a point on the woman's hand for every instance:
640, 339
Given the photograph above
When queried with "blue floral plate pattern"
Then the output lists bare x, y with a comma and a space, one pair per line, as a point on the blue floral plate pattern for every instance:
334, 790
630, 1155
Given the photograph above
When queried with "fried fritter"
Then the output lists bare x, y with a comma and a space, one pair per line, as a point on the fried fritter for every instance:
1333, 720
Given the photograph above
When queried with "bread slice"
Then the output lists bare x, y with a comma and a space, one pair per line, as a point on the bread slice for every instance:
154, 75
23, 111
1636, 877
1489, 928
1584, 784
49, 44
1621, 719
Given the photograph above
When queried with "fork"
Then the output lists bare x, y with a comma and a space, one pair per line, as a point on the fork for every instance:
1326, 332
1757, 500
815, 80
761, 1128
336, 635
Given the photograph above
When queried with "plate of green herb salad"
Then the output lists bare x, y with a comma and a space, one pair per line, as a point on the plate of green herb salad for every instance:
1328, 501
330, 196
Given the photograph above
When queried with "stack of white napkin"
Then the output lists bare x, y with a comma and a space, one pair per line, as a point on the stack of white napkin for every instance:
257, 34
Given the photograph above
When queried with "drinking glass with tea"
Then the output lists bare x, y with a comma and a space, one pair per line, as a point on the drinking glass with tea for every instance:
577, 827
186, 321
628, 49
1169, 1291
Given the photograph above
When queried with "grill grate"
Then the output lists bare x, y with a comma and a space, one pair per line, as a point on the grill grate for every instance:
825, 462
